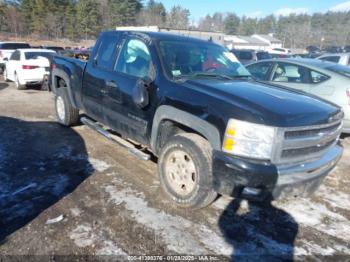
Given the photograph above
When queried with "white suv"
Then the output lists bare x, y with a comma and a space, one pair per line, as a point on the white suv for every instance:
6, 50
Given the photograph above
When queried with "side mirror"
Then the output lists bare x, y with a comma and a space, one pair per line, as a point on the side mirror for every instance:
6, 59
140, 94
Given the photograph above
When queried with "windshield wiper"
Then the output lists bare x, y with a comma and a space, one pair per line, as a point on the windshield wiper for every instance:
206, 74
241, 76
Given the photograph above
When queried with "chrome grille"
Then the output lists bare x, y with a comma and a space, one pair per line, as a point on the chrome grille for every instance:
301, 144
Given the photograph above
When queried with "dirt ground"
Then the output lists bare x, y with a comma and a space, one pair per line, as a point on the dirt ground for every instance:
69, 191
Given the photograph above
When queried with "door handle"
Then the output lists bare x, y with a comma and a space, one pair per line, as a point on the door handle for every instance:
111, 84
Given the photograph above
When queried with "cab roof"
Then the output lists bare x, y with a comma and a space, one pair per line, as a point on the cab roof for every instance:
160, 36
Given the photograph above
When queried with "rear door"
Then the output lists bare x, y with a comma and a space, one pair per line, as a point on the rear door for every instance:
98, 75
13, 65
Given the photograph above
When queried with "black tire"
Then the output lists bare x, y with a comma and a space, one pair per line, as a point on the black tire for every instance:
199, 152
18, 85
69, 115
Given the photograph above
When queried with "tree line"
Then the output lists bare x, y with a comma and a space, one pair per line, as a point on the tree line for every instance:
84, 19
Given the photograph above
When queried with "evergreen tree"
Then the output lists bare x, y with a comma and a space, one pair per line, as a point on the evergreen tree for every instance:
71, 21
88, 18
231, 24
123, 12
39, 12
3, 22
178, 18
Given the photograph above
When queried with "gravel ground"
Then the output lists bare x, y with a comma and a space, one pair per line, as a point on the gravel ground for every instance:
69, 191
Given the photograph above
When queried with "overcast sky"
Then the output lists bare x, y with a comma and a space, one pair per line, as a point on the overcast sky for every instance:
258, 8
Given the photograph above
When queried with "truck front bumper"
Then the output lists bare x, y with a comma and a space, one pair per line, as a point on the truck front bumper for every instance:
258, 180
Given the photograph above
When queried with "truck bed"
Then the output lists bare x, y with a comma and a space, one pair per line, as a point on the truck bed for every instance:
73, 71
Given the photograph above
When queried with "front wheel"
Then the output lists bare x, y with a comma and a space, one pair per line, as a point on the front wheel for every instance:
185, 170
66, 114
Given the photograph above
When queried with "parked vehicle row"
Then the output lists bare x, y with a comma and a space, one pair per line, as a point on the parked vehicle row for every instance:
246, 56
192, 104
6, 50
338, 58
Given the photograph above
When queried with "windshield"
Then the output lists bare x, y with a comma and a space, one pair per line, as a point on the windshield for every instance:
195, 59
340, 69
35, 55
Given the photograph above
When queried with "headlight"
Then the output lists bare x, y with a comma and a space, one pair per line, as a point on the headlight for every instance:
248, 139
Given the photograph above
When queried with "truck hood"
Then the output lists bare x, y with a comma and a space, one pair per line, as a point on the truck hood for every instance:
266, 104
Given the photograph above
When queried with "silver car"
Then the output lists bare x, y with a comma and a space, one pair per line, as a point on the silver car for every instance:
338, 58
324, 79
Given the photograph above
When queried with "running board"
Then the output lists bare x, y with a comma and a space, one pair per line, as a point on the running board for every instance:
116, 139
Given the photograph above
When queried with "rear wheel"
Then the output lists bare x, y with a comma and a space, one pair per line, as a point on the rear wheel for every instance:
66, 114
18, 84
185, 170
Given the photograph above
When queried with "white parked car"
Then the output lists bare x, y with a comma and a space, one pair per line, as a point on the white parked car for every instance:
28, 67
6, 50
339, 58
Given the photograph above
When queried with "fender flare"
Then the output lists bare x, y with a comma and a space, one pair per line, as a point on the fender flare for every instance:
209, 131
60, 73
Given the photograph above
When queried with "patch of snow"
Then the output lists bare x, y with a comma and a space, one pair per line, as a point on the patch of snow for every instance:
84, 236
99, 165
54, 220
336, 199
109, 248
75, 211
312, 214
92, 163
179, 234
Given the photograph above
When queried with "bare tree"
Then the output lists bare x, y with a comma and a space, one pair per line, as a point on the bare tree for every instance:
14, 20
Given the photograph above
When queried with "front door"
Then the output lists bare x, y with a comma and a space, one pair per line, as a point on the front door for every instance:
122, 113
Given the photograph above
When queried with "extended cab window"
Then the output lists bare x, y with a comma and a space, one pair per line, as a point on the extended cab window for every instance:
105, 54
134, 59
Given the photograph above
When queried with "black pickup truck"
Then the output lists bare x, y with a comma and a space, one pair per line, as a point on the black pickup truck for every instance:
212, 127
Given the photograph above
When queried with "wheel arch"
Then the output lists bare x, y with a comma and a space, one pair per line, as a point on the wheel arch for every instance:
58, 74
184, 119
